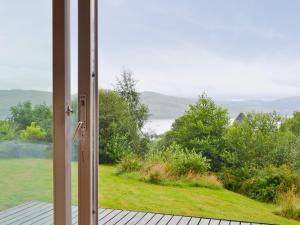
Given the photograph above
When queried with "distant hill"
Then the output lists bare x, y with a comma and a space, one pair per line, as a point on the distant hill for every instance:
164, 106
170, 107
9, 98
161, 106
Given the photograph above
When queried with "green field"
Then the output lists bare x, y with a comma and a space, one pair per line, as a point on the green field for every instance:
31, 179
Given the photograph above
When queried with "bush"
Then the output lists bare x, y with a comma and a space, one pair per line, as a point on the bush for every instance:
33, 133
233, 178
157, 174
119, 147
288, 205
129, 163
201, 129
266, 185
175, 167
181, 162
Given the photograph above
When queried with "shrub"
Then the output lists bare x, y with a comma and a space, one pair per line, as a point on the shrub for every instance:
119, 147
181, 162
233, 178
156, 174
208, 181
266, 185
201, 129
288, 205
129, 163
33, 133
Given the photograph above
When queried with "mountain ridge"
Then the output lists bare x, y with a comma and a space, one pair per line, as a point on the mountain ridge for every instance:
161, 106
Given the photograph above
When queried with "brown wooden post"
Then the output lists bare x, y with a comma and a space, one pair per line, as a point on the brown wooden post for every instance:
61, 121
88, 112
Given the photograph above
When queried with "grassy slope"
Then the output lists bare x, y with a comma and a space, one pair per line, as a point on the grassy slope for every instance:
24, 180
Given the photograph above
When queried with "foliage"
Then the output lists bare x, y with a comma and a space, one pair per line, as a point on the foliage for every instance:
33, 133
7, 132
268, 183
129, 163
126, 88
42, 115
261, 184
181, 162
118, 131
292, 124
201, 129
23, 114
257, 141
119, 147
288, 205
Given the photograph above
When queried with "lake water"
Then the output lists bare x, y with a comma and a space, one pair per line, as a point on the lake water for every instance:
162, 125
158, 126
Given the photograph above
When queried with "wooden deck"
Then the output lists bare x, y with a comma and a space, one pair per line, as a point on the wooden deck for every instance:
39, 213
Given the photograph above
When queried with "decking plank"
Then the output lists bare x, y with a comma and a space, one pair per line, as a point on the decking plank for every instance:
184, 220
235, 223
126, 218
214, 222
194, 221
117, 218
109, 216
136, 218
175, 220
155, 219
23, 214
204, 222
146, 219
39, 213
16, 210
225, 222
164, 220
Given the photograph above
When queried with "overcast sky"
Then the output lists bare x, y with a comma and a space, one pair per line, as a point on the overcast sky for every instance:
230, 49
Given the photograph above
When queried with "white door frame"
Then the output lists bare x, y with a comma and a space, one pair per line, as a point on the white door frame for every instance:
88, 112
61, 118
87, 108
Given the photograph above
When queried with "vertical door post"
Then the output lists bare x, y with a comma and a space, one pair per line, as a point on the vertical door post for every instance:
88, 112
61, 121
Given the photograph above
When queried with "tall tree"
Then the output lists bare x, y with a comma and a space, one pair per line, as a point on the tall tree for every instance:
118, 132
201, 129
126, 87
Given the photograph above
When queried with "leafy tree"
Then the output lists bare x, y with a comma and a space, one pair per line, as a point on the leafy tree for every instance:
7, 132
257, 141
42, 115
118, 130
23, 114
292, 124
33, 133
126, 87
201, 129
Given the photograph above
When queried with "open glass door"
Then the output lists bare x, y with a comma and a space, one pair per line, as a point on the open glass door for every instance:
26, 140
88, 112
86, 128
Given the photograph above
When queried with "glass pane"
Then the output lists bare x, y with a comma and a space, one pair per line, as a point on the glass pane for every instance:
74, 93
221, 82
26, 149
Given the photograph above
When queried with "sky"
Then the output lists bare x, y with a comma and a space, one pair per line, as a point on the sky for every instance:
229, 49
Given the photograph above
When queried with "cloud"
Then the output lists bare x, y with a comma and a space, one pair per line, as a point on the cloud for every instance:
189, 71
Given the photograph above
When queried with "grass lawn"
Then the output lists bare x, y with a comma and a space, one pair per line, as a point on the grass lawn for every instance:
31, 179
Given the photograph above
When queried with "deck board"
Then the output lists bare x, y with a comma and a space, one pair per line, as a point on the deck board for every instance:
40, 213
